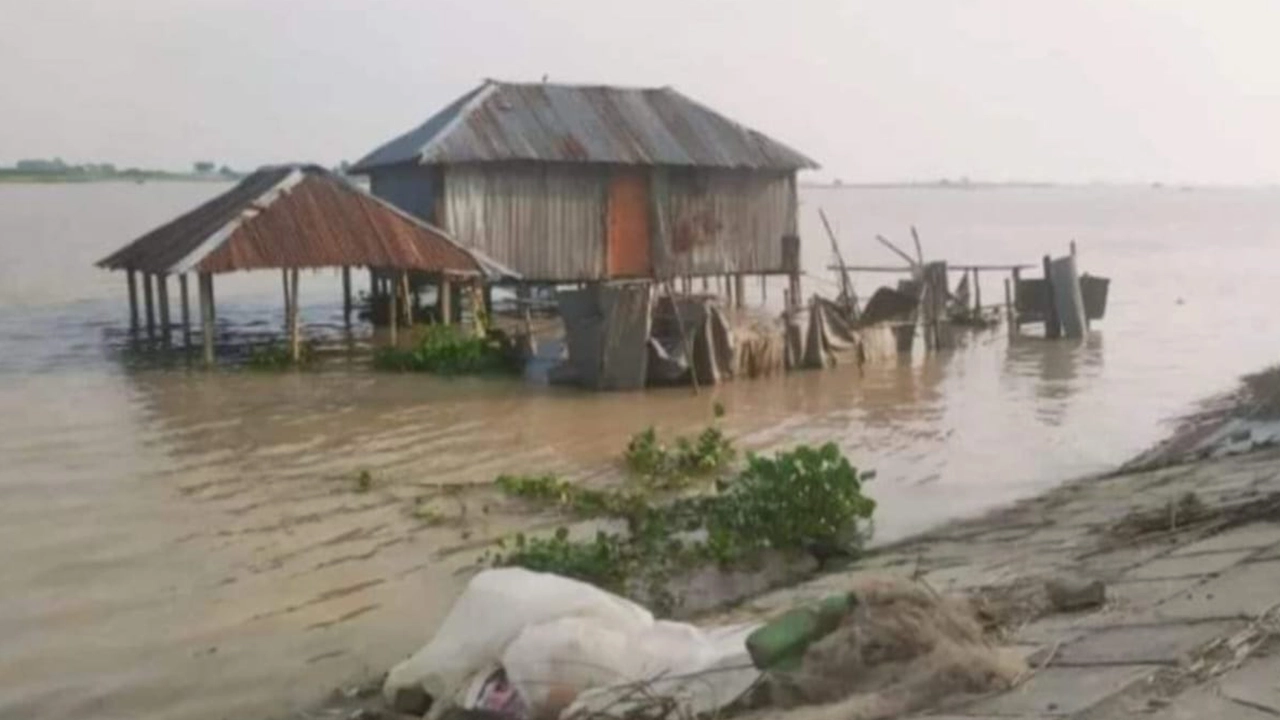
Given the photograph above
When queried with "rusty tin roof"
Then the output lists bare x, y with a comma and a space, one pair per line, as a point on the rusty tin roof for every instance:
296, 216
501, 121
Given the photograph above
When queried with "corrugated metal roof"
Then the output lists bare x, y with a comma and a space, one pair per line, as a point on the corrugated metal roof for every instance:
574, 123
299, 216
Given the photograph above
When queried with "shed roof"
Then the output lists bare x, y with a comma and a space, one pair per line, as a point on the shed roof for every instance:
501, 121
296, 216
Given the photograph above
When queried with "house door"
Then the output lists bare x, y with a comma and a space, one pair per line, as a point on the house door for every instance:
627, 248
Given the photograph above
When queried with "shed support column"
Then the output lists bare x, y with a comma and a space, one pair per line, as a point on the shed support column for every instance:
295, 336
284, 289
739, 290
133, 300
406, 297
1052, 327
162, 289
186, 310
977, 292
204, 282
764, 289
148, 298
346, 295
1008, 308
446, 301
391, 317
704, 284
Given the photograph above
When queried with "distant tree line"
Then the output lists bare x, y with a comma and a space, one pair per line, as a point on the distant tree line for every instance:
58, 168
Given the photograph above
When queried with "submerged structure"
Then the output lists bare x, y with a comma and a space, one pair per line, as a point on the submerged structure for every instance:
570, 183
288, 218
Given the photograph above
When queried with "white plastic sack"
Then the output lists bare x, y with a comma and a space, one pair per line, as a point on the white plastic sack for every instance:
565, 643
496, 606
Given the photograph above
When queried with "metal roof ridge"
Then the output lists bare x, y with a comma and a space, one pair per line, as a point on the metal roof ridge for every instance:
253, 208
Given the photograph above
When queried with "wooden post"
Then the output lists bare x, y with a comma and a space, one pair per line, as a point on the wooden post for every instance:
705, 284
186, 311
445, 303
391, 317
1052, 327
148, 298
1015, 320
204, 282
739, 290
977, 293
213, 303
764, 289
1008, 309
346, 295
295, 335
133, 300
406, 298
162, 289
284, 287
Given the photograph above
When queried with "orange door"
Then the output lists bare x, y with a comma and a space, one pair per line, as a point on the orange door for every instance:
628, 227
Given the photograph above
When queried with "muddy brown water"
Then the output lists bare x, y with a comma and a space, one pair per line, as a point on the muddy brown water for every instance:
182, 544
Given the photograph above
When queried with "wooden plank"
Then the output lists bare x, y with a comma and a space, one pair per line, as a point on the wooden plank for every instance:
1052, 328
1067, 299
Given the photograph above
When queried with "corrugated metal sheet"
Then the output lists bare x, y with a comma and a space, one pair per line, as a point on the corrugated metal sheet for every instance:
409, 187
293, 216
596, 124
721, 221
546, 222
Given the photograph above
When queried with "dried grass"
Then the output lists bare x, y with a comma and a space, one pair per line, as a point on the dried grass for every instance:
906, 648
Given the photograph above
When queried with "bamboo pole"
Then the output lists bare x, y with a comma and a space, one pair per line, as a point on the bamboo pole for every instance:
204, 282
295, 334
162, 290
186, 310
148, 298
131, 276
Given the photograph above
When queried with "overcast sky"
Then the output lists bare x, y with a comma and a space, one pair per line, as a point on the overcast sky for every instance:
1081, 90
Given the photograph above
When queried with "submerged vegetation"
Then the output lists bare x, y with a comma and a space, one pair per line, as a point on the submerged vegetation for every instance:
803, 500
277, 356
447, 350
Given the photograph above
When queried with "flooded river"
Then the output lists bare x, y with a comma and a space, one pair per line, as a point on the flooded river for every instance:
182, 544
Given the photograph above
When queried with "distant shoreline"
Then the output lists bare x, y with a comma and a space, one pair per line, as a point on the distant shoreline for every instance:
25, 178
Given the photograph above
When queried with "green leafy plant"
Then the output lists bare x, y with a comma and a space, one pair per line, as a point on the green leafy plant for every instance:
447, 350
802, 500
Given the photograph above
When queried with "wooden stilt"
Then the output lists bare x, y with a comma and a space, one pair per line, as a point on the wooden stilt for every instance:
213, 302
764, 289
1052, 327
133, 300
739, 290
148, 298
295, 334
705, 284
391, 316
346, 295
446, 301
1008, 309
204, 282
162, 290
977, 292
406, 298
186, 311
284, 288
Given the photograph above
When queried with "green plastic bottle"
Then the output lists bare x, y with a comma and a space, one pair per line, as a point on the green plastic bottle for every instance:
781, 644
